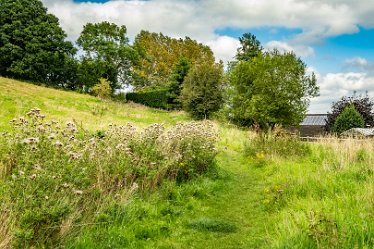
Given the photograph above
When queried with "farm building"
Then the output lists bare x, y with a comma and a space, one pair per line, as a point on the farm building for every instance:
313, 125
359, 132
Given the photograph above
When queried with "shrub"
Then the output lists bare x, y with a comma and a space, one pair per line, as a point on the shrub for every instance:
152, 98
102, 89
349, 118
54, 176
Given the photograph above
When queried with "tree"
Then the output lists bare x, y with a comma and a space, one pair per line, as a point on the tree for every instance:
160, 54
178, 75
272, 88
362, 104
249, 48
33, 46
202, 90
102, 89
107, 54
349, 118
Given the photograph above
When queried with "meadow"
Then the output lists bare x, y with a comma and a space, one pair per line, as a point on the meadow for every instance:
80, 172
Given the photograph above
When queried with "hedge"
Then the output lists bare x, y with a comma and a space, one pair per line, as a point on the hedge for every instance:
155, 98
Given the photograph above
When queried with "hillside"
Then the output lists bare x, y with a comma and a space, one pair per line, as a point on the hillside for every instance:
263, 192
17, 98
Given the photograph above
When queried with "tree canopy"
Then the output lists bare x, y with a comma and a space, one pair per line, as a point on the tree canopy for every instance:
349, 118
272, 88
362, 104
202, 90
160, 54
33, 46
107, 54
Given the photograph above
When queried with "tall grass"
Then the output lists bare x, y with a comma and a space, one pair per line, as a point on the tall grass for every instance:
55, 177
319, 195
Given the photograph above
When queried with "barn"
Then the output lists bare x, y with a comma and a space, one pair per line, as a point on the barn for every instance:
313, 125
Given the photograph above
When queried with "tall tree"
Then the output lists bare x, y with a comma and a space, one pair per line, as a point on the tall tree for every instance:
249, 48
178, 75
33, 46
107, 54
363, 104
160, 54
272, 88
202, 90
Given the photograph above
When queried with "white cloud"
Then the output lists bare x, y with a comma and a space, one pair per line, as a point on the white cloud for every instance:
300, 50
357, 61
333, 86
224, 47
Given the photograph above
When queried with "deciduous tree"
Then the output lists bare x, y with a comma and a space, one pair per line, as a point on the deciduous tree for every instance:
202, 90
33, 46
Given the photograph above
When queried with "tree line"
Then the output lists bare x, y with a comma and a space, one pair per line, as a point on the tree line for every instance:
261, 88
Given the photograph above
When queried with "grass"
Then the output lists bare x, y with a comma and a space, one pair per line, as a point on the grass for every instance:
270, 193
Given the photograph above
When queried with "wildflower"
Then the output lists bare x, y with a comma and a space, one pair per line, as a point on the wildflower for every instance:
21, 173
74, 156
31, 140
59, 144
33, 176
78, 192
52, 136
46, 197
41, 128
65, 185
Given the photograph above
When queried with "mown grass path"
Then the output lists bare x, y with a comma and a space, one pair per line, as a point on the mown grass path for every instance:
237, 200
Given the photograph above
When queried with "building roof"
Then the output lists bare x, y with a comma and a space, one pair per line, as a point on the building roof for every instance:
366, 132
315, 119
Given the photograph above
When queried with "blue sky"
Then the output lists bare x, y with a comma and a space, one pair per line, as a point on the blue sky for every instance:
335, 38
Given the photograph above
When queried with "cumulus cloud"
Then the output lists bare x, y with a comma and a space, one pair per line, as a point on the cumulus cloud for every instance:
357, 61
333, 86
300, 50
224, 47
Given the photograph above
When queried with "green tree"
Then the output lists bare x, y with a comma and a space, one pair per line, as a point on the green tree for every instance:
33, 46
178, 75
362, 104
202, 90
249, 48
272, 88
349, 118
102, 89
107, 54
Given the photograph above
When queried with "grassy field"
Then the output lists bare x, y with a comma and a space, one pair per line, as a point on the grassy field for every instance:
262, 193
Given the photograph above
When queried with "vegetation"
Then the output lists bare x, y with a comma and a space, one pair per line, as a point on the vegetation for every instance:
362, 104
153, 98
159, 55
102, 89
265, 192
33, 46
107, 48
349, 118
202, 90
272, 88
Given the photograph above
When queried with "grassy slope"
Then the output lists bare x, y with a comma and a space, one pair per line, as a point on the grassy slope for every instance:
17, 98
239, 208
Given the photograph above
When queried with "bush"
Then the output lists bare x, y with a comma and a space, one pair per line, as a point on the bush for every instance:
54, 176
102, 89
349, 118
153, 98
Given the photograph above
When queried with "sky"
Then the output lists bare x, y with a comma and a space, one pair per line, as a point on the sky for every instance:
335, 38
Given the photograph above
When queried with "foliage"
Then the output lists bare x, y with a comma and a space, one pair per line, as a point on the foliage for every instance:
178, 75
202, 90
107, 54
33, 46
102, 89
275, 143
54, 177
249, 48
349, 118
159, 55
363, 104
151, 98
272, 88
